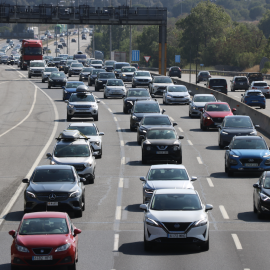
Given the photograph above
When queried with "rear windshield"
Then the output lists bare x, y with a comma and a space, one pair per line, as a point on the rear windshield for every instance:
218, 82
82, 98
204, 74
217, 108
80, 56
146, 108
175, 69
53, 175
254, 94
260, 84
167, 174
162, 80
155, 120
255, 75
238, 122
204, 99
241, 79
142, 74
106, 75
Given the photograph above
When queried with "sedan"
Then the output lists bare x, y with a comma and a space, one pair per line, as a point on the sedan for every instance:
161, 144
75, 69
102, 78
254, 98
236, 125
203, 76
165, 177
73, 40
47, 72
45, 238
214, 113
176, 216
176, 94
57, 79
175, 72
114, 88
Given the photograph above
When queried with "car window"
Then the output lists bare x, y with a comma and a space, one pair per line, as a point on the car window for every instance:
146, 108
86, 69
50, 69
37, 64
161, 134
142, 74
109, 63
238, 122
53, 175
106, 75
260, 84
267, 182
74, 150
82, 98
204, 99
128, 69
74, 84
76, 65
257, 93
88, 130
58, 58
162, 80
58, 75
96, 62
249, 144
119, 66
80, 56
151, 121
217, 108
177, 88
218, 82
167, 174
241, 79
138, 93
171, 202
115, 83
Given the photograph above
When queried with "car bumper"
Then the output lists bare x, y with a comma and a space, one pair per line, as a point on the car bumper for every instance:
35, 74
159, 91
79, 113
171, 155
84, 77
240, 168
137, 83
54, 84
126, 79
255, 104
74, 72
195, 112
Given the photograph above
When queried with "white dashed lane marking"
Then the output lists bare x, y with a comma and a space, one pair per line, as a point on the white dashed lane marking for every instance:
199, 160
236, 241
223, 212
210, 183
189, 142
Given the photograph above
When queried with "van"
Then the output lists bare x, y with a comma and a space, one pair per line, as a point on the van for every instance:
218, 84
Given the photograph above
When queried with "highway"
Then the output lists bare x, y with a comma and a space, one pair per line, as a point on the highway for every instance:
112, 228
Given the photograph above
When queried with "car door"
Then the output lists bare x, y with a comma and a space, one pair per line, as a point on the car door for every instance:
73, 238
220, 128
258, 190
227, 152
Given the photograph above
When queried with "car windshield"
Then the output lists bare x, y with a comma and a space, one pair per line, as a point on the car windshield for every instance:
69, 62
204, 74
176, 202
106, 75
72, 150
128, 69
53, 175
162, 80
33, 51
146, 108
82, 98
248, 144
138, 93
142, 74
37, 64
217, 108
218, 82
115, 83
119, 66
260, 84
50, 69
177, 88
96, 62
161, 134
76, 65
88, 130
58, 75
175, 68
204, 99
86, 69
74, 84
80, 56
37, 226
156, 120
109, 63
238, 122
58, 58
96, 71
167, 174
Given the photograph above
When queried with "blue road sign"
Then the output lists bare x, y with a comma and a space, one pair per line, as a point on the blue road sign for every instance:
201, 65
177, 59
135, 55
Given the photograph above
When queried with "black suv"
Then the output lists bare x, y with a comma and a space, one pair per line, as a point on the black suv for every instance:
142, 107
254, 76
102, 78
174, 72
239, 83
218, 84
161, 144
93, 75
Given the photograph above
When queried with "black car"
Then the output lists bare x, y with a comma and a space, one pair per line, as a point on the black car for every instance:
102, 78
54, 188
93, 75
150, 121
68, 64
239, 83
254, 76
175, 72
62, 65
235, 125
57, 79
132, 95
108, 65
55, 62
161, 144
203, 76
83, 76
261, 196
140, 109
218, 84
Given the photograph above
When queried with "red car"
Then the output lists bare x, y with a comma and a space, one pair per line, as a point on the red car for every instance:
214, 113
45, 239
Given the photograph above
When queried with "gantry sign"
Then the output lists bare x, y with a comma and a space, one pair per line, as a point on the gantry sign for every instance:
85, 14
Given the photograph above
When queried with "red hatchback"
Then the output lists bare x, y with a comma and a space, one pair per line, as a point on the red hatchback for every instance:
214, 113
45, 239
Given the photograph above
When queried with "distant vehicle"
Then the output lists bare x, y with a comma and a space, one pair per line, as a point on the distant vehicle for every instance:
203, 76
239, 83
84, 36
73, 40
99, 55
254, 77
254, 98
60, 46
174, 72
218, 84
136, 65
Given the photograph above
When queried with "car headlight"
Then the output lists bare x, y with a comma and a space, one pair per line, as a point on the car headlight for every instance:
201, 222
235, 156
264, 197
124, 75
21, 248
135, 79
208, 118
30, 194
74, 194
87, 164
50, 80
144, 131
267, 155
134, 117
97, 143
63, 248
175, 148
253, 132
71, 106
223, 132
152, 222
195, 108
53, 162
148, 148
267, 162
233, 162
169, 96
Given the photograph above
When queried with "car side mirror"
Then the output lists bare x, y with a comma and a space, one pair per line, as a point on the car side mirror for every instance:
174, 124
152, 95
95, 154
202, 109
175, 82
234, 110
142, 137
49, 155
77, 231
194, 178
143, 207
257, 126
25, 180
142, 178
12, 233
227, 148
83, 180
66, 101
101, 133
208, 207
98, 101
163, 111
256, 185
181, 137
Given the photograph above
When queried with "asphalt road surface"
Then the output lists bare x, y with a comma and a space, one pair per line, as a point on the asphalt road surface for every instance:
112, 228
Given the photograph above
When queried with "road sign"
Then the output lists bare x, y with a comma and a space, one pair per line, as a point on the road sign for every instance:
177, 59
135, 55
201, 65
147, 58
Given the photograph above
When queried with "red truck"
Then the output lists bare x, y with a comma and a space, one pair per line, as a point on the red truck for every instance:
31, 50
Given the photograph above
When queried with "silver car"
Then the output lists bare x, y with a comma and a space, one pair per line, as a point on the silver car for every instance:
166, 176
47, 72
198, 102
75, 69
176, 94
141, 78
36, 68
126, 73
114, 88
260, 85
73, 149
90, 130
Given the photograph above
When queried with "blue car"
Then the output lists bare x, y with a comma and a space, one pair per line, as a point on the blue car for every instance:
254, 98
70, 88
247, 154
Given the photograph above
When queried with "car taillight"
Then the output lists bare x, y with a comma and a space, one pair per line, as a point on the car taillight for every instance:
180, 69
266, 87
253, 87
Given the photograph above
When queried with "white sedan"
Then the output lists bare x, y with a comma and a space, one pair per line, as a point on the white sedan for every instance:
176, 216
176, 94
114, 88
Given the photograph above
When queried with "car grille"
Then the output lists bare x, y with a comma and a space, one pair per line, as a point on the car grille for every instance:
162, 147
79, 167
178, 97
82, 106
60, 196
251, 160
37, 71
42, 251
217, 119
182, 226
142, 80
161, 88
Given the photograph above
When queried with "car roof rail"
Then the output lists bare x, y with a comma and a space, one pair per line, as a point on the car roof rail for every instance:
71, 135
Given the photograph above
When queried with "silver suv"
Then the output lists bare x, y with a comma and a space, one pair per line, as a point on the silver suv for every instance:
36, 68
74, 149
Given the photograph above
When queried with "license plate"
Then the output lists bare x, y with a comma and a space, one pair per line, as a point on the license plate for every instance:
177, 235
241, 83
83, 110
42, 258
255, 101
52, 203
162, 152
251, 164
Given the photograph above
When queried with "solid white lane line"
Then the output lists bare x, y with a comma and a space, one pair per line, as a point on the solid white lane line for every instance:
118, 213
246, 269
116, 242
236, 241
121, 183
189, 142
223, 212
180, 129
199, 160
210, 183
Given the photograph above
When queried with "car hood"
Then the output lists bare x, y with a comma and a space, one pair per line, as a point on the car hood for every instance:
47, 73
58, 79
56, 187
39, 68
82, 103
155, 126
219, 114
94, 138
127, 73
165, 184
176, 216
163, 142
70, 160
76, 68
238, 131
51, 240
178, 94
116, 87
70, 90
248, 153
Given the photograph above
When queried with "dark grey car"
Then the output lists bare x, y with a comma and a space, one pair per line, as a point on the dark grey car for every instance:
235, 125
55, 188
239, 83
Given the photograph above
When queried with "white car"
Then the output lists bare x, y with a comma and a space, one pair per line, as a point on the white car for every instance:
260, 85
176, 216
159, 85
166, 176
36, 68
141, 78
176, 94
127, 73
114, 88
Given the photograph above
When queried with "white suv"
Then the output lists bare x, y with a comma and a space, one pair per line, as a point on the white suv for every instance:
159, 85
36, 68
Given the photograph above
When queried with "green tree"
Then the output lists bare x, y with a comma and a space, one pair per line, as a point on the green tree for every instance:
264, 24
256, 12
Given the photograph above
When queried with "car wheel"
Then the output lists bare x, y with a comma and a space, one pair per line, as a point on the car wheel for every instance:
49, 86
138, 139
179, 161
83, 207
221, 146
133, 86
95, 117
144, 160
132, 128
104, 95
72, 266
147, 245
262, 107
164, 101
80, 79
29, 76
78, 213
205, 246
90, 84
99, 156
254, 208
203, 127
189, 114
64, 96
13, 267
230, 173
68, 117
43, 81
232, 89
69, 75
125, 110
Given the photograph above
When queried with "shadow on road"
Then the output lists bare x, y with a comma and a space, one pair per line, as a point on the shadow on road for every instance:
14, 216
252, 217
134, 208
132, 143
212, 147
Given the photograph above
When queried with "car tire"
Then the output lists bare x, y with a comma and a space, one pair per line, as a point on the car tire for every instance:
164, 101
80, 79
29, 76
230, 173
104, 95
13, 267
179, 161
49, 86
95, 117
205, 246
69, 75
64, 96
78, 213
133, 86
99, 156
189, 114
147, 245
232, 90
125, 110
132, 128
203, 127
260, 215
221, 146
144, 160
43, 81
254, 208
90, 84
68, 117
262, 107
83, 207
138, 140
